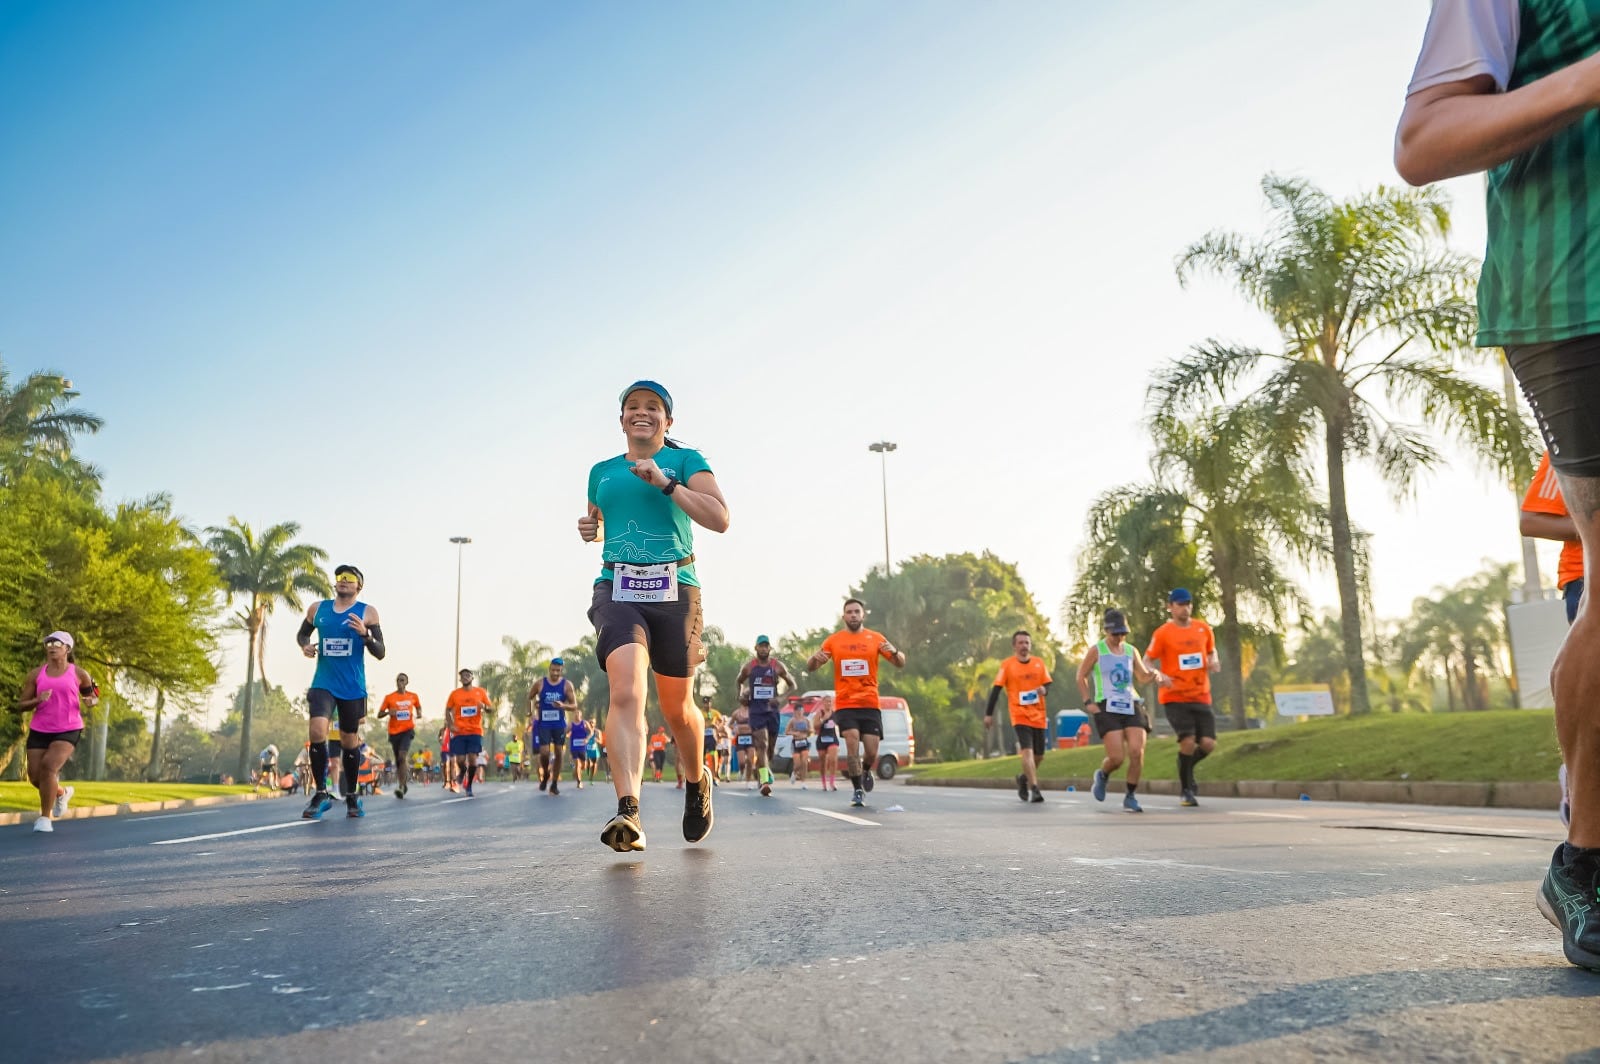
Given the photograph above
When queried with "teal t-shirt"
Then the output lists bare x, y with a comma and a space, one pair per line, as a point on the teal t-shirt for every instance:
643, 526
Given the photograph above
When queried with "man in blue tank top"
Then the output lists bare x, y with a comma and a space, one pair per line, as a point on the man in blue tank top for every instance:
758, 684
551, 699
346, 631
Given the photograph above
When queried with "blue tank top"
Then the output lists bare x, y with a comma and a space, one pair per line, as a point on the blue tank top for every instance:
550, 697
763, 685
580, 735
341, 655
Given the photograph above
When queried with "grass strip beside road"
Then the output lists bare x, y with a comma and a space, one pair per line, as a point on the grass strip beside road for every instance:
1499, 745
21, 797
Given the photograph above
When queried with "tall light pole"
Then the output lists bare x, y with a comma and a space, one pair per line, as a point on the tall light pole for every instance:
882, 449
461, 544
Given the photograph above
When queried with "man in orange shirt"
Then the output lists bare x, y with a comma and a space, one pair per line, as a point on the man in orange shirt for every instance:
1024, 679
658, 750
855, 652
465, 709
1185, 650
403, 709
1545, 516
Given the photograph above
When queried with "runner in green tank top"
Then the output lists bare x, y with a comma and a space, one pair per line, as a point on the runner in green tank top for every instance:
1513, 87
1123, 727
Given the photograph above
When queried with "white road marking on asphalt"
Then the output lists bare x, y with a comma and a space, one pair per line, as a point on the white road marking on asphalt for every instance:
840, 816
1167, 862
171, 816
230, 986
241, 831
475, 797
1275, 816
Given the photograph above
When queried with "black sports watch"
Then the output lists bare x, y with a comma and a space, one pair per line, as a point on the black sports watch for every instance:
672, 485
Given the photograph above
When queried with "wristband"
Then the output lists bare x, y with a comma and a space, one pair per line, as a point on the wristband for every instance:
672, 485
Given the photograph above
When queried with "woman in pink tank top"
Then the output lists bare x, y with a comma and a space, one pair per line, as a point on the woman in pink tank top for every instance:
56, 691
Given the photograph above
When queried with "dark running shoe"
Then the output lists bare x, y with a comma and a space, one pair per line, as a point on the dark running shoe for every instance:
697, 816
1022, 787
352, 807
543, 783
1189, 799
320, 803
554, 787
866, 780
624, 833
1037, 797
857, 798
1570, 899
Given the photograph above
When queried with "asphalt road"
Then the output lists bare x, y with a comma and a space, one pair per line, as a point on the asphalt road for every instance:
936, 925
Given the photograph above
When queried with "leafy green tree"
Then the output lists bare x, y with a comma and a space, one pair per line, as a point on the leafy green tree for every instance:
1140, 546
588, 678
38, 426
509, 681
1461, 632
1370, 304
1318, 657
264, 571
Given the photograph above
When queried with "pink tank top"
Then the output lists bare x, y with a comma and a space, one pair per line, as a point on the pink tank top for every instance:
63, 713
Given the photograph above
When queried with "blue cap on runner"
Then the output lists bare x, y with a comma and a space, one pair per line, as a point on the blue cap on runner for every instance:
763, 639
649, 386
557, 661
1180, 594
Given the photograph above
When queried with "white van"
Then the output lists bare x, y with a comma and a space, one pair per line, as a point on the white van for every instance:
897, 750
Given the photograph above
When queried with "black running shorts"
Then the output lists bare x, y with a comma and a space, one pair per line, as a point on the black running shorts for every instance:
865, 721
400, 743
1105, 723
1029, 738
350, 711
41, 740
1561, 381
670, 631
1191, 719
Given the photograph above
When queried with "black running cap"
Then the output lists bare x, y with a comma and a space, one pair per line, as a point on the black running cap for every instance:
338, 570
1116, 623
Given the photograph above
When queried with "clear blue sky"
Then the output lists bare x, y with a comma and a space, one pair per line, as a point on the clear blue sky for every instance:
381, 269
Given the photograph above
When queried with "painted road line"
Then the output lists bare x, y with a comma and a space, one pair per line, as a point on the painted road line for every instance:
241, 831
1275, 816
474, 797
848, 819
172, 816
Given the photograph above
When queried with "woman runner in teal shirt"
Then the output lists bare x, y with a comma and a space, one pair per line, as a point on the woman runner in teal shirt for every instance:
646, 606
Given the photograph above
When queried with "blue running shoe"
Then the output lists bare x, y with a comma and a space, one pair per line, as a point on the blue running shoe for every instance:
352, 807
1131, 804
1100, 781
320, 803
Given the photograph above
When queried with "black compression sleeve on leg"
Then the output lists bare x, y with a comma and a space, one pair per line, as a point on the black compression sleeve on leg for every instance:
1200, 753
351, 759
319, 766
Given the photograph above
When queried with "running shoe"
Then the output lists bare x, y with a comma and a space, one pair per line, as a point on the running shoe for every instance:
1037, 797
400, 791
766, 790
543, 783
43, 824
1131, 804
1189, 799
623, 832
555, 787
858, 798
1570, 899
352, 807
63, 796
1022, 787
866, 780
320, 803
1099, 788
697, 816
467, 791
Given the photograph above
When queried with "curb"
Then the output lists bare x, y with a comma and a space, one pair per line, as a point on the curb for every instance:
1514, 794
86, 812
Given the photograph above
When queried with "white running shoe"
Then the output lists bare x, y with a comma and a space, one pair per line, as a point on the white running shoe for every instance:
43, 824
63, 796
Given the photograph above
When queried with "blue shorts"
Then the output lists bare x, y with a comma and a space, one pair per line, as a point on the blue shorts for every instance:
550, 734
764, 721
462, 745
1573, 593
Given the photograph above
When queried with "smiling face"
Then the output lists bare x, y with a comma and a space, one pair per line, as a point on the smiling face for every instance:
556, 672
644, 417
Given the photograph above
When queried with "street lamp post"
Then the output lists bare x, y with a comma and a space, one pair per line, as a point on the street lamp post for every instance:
461, 544
882, 449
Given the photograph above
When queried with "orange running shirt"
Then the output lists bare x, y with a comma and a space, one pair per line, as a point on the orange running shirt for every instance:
402, 711
463, 706
1024, 683
1544, 497
658, 741
855, 667
1181, 654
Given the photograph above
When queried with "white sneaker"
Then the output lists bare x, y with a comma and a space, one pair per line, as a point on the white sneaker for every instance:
63, 796
43, 824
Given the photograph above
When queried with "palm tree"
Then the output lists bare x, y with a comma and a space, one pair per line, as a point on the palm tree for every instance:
38, 425
1465, 624
1140, 547
1247, 512
513, 678
1368, 302
264, 571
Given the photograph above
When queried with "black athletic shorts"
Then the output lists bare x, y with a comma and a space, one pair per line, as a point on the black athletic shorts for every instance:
709, 745
865, 721
351, 711
1561, 381
1029, 738
400, 743
659, 757
1109, 722
41, 740
1192, 718
670, 631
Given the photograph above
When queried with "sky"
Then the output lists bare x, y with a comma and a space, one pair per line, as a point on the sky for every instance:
383, 270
